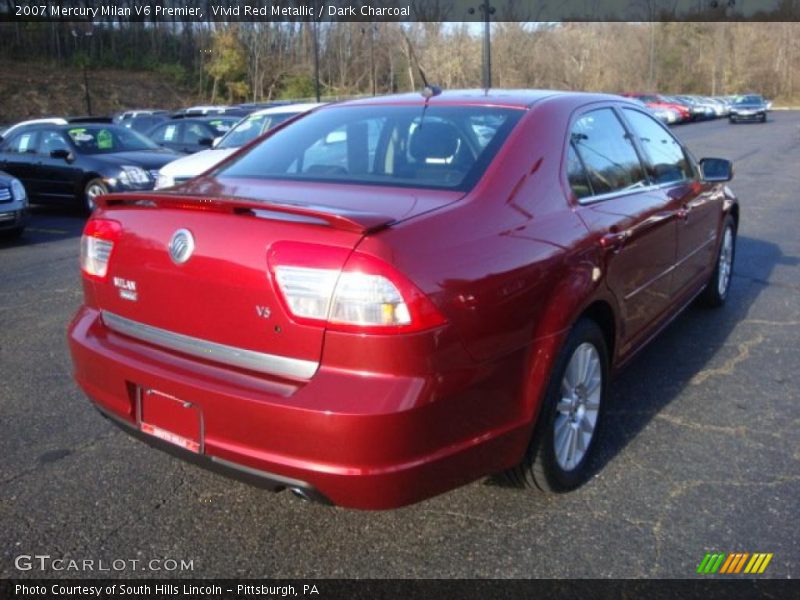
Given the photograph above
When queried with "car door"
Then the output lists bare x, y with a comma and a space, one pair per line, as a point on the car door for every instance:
697, 208
634, 227
18, 158
57, 176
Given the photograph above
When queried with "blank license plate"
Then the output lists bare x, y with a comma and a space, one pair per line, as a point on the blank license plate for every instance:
172, 420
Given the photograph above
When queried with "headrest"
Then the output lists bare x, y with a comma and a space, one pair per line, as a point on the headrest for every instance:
433, 140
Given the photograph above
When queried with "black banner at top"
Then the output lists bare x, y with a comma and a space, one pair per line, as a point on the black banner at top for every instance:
110, 11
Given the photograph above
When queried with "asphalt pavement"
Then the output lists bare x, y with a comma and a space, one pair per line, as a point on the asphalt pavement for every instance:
701, 452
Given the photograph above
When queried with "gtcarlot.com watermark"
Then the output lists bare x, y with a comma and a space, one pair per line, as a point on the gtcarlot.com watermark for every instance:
48, 563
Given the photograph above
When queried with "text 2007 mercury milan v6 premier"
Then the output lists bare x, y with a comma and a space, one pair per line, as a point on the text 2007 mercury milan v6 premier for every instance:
388, 298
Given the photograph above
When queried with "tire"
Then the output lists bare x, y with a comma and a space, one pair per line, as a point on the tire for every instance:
94, 188
763, 118
732, 121
562, 418
719, 284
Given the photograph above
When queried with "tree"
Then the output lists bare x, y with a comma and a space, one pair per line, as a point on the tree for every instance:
228, 65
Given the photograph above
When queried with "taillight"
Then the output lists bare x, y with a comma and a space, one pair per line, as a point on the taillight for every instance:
366, 295
97, 245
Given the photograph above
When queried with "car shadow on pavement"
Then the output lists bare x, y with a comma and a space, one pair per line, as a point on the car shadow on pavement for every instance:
679, 355
47, 224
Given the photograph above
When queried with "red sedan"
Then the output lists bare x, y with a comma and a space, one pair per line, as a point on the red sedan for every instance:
655, 101
392, 297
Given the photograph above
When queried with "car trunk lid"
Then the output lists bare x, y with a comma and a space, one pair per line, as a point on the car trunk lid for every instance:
223, 299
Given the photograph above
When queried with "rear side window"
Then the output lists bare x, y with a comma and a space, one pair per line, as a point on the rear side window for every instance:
22, 143
666, 160
605, 148
166, 133
576, 174
441, 147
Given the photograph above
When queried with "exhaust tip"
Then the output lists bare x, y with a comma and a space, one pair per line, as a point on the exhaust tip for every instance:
300, 493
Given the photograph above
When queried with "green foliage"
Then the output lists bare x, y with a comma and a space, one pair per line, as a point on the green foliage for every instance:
174, 72
228, 63
297, 86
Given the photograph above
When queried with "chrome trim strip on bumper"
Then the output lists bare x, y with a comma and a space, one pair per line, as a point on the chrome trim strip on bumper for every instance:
293, 368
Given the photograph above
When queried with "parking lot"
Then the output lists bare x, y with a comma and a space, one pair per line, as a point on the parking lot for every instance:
701, 450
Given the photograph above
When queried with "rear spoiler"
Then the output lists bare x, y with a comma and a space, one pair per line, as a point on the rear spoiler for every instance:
330, 216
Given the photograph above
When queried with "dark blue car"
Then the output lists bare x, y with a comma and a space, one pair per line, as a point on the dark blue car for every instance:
75, 163
13, 205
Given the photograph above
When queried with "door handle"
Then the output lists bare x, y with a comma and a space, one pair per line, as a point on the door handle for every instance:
683, 212
615, 240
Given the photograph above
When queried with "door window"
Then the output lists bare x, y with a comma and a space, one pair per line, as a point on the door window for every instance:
194, 132
666, 160
610, 158
52, 140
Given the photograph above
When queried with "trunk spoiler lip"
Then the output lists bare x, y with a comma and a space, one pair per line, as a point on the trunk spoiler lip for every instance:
338, 218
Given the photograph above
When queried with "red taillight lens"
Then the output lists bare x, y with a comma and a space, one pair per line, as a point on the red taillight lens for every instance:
97, 245
366, 295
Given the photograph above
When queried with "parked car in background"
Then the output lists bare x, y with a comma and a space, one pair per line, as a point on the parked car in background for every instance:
144, 123
751, 107
75, 163
191, 134
395, 296
242, 133
121, 117
13, 206
655, 101
50, 120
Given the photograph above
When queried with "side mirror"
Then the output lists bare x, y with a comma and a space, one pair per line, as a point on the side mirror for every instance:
716, 169
216, 141
62, 153
205, 142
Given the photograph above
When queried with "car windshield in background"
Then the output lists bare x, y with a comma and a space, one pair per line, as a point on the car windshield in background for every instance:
223, 125
441, 147
250, 128
97, 139
749, 100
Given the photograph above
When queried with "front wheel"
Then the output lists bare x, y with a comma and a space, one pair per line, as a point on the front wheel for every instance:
719, 284
558, 457
93, 189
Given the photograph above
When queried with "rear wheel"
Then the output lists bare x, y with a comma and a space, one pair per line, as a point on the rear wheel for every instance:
558, 457
716, 291
93, 189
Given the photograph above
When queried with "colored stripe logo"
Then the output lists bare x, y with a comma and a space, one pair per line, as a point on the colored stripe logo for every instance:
734, 563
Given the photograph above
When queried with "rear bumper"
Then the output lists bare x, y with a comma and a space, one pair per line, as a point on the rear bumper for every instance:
362, 440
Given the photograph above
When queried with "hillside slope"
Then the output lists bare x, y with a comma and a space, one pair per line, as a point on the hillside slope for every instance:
30, 90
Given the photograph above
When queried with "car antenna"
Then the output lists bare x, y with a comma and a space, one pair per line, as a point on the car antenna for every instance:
428, 90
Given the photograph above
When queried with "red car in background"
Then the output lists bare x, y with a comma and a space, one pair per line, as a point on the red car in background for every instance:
657, 101
392, 297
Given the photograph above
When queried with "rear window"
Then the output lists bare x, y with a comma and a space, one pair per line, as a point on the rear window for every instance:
251, 127
441, 147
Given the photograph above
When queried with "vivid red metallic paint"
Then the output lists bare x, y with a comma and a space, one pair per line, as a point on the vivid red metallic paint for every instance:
391, 419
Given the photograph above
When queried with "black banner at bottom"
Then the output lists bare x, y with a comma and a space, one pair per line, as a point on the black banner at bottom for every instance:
407, 589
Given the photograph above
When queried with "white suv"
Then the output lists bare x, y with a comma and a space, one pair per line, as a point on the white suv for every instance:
243, 132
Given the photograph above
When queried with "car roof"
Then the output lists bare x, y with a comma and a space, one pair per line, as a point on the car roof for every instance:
288, 108
491, 97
